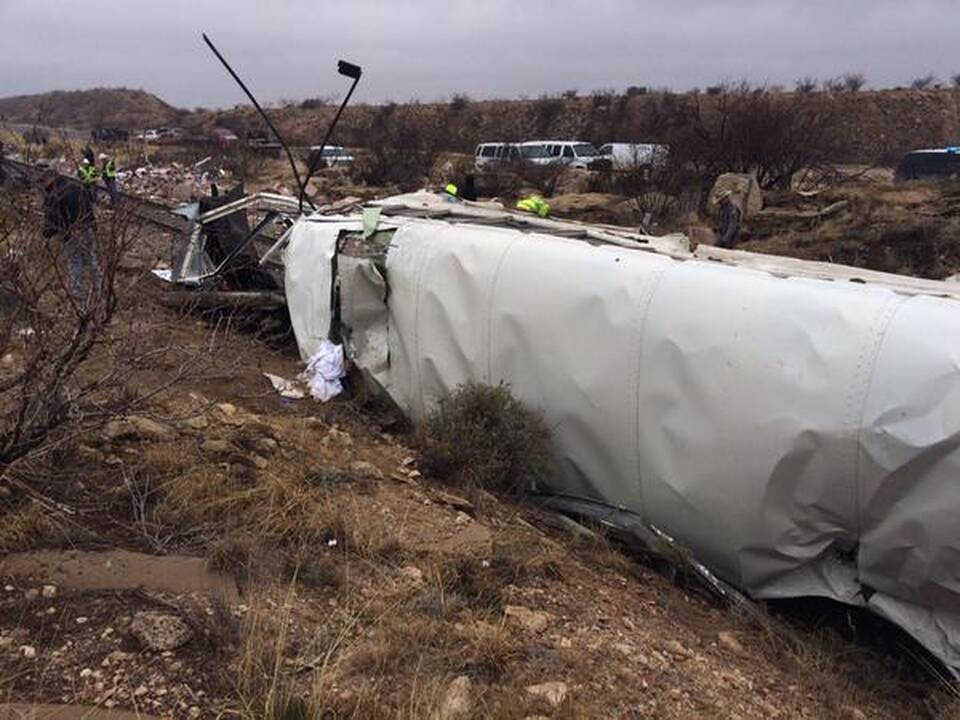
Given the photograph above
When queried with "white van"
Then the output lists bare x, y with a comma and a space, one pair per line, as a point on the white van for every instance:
495, 153
574, 153
492, 154
631, 156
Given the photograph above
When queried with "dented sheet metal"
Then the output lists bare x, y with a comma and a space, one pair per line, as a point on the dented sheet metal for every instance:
801, 436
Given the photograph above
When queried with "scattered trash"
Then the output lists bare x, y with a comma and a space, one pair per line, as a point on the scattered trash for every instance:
324, 370
286, 388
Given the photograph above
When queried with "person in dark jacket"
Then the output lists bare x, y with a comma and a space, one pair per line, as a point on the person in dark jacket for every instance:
68, 215
731, 216
469, 191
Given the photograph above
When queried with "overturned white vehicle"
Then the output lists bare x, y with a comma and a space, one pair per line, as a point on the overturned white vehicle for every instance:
795, 425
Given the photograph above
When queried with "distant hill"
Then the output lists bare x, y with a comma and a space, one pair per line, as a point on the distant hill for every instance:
84, 109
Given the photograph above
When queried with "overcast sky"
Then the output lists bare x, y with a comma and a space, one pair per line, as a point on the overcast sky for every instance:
485, 48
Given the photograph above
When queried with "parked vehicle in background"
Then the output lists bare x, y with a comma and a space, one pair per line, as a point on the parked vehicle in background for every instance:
148, 136
491, 154
632, 156
223, 136
575, 153
330, 156
534, 153
934, 164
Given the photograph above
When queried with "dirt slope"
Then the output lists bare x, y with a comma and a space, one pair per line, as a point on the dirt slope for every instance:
365, 589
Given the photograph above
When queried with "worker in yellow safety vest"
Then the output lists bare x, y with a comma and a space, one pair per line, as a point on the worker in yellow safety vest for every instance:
88, 173
451, 192
534, 204
109, 171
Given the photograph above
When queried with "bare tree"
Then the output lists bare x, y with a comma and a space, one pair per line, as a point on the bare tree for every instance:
806, 84
746, 129
853, 81
924, 82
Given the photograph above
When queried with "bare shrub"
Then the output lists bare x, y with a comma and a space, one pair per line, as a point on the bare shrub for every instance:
955, 79
47, 332
402, 148
316, 103
459, 102
806, 85
68, 368
603, 98
924, 82
747, 129
244, 162
833, 85
481, 435
853, 81
546, 109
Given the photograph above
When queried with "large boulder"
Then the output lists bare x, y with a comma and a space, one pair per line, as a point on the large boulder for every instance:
744, 187
573, 181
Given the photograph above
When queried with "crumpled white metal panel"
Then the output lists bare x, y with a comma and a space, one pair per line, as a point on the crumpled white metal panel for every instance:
307, 260
800, 436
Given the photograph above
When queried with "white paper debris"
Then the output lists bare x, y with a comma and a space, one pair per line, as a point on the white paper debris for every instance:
287, 388
324, 370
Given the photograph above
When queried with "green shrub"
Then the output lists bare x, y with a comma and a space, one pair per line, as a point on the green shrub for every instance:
481, 435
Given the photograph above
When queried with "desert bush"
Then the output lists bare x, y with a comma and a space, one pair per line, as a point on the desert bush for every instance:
242, 161
66, 364
459, 102
635, 90
806, 84
481, 435
602, 98
316, 103
402, 148
833, 85
853, 81
955, 79
746, 128
46, 330
924, 82
546, 110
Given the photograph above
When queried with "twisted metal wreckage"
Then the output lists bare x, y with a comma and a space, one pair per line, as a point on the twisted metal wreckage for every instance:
794, 425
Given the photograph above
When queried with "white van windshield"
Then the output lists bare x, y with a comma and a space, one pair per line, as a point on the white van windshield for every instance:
585, 150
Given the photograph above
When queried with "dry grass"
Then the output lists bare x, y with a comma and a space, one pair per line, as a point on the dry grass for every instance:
25, 524
264, 690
